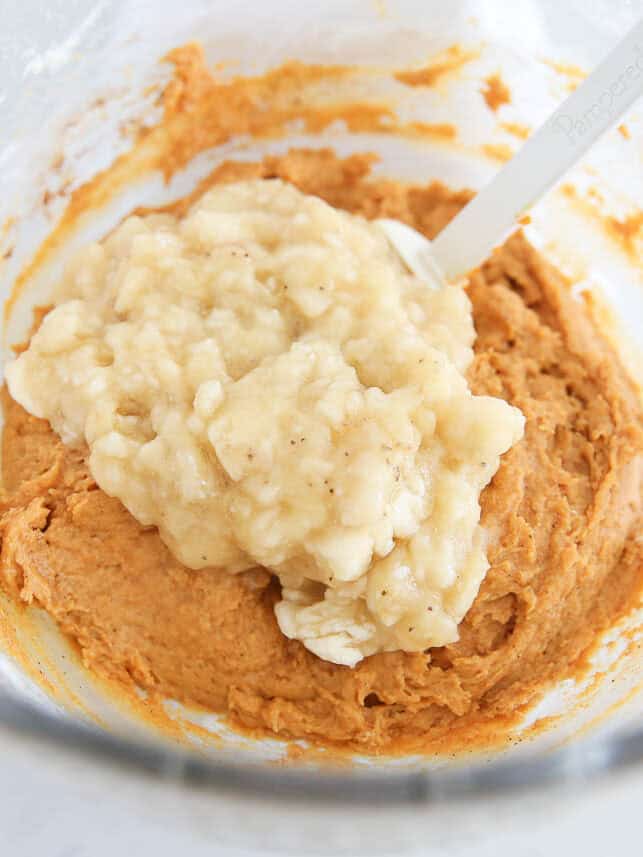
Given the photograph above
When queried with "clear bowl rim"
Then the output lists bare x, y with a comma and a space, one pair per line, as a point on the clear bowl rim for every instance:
576, 762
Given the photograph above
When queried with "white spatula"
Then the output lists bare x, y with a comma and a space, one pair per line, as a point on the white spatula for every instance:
485, 222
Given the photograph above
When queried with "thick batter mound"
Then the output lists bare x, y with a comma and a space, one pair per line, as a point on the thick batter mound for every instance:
562, 513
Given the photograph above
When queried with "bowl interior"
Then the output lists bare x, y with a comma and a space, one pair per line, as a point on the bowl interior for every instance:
105, 58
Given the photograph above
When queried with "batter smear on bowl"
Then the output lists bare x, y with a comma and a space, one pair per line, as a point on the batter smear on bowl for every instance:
562, 515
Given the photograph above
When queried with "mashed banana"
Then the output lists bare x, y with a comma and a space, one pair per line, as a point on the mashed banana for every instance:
265, 383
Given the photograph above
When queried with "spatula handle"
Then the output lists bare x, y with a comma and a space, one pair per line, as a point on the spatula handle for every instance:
590, 110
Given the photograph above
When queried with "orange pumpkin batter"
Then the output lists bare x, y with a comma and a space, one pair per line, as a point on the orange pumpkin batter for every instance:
563, 514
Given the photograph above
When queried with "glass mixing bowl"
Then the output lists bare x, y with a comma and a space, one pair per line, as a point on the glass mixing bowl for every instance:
71, 76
